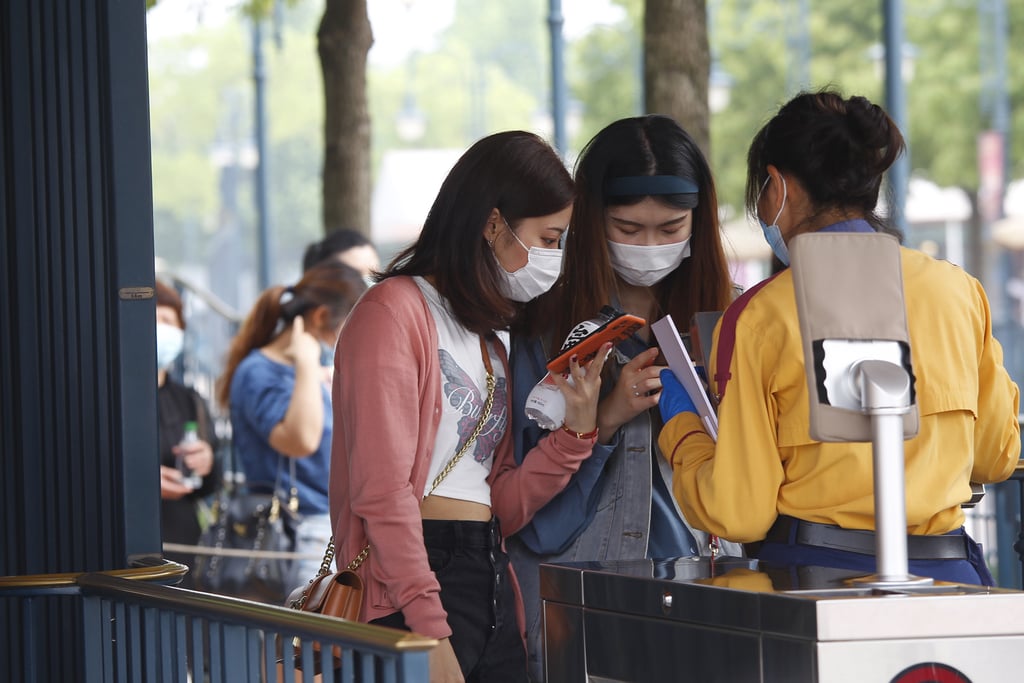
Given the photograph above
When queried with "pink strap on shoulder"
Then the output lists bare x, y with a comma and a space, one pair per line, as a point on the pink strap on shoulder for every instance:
727, 336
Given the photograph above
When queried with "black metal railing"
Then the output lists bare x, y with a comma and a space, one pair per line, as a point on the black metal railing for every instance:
1018, 545
134, 629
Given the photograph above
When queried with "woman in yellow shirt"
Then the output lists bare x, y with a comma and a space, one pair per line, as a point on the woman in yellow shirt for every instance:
817, 166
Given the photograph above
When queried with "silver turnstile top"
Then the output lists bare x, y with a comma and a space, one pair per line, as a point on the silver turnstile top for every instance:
734, 620
803, 602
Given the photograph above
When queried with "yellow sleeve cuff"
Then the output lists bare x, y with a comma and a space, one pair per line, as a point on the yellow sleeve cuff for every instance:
676, 431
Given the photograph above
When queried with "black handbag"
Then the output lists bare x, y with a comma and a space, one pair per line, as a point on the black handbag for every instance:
249, 550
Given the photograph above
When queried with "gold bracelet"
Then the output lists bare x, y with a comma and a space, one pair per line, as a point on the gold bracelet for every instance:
592, 434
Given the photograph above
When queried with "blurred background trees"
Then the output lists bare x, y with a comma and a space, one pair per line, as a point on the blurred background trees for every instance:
489, 70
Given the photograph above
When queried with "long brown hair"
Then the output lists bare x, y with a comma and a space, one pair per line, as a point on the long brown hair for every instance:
639, 146
332, 284
517, 173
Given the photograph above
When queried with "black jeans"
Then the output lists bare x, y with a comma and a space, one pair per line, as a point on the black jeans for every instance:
476, 591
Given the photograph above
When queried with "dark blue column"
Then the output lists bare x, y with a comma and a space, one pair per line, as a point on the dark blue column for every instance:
80, 490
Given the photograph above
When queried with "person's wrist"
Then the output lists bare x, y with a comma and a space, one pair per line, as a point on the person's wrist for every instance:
608, 418
583, 436
308, 366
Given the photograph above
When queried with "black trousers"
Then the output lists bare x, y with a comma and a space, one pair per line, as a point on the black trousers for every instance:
476, 591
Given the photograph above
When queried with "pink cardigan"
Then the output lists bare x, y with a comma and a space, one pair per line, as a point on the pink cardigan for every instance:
387, 405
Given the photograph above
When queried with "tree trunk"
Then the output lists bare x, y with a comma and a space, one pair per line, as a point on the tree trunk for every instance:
344, 39
677, 62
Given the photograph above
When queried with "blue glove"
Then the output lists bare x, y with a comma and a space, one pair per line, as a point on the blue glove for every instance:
673, 399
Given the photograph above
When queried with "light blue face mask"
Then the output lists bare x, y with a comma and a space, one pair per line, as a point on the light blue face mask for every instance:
326, 355
772, 233
169, 342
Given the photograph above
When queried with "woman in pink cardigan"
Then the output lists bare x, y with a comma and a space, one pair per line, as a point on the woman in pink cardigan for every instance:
422, 469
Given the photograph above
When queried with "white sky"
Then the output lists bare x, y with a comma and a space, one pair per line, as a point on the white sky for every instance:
399, 26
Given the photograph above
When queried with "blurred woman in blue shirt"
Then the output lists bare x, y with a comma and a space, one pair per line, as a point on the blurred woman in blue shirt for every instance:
276, 385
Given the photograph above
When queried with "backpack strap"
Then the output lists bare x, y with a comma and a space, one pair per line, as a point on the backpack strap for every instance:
727, 336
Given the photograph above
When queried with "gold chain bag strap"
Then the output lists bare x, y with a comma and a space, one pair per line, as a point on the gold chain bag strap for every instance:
340, 594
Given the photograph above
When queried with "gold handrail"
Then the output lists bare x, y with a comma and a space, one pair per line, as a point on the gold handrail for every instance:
166, 570
279, 617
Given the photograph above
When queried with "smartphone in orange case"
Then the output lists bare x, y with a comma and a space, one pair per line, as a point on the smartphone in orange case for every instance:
587, 345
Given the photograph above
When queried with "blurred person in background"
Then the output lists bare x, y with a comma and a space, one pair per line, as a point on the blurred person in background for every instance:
276, 385
180, 502
351, 247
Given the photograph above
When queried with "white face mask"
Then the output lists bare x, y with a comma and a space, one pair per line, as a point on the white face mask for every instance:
169, 342
644, 266
543, 266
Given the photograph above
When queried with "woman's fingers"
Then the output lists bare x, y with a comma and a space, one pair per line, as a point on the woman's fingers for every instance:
597, 365
584, 379
640, 376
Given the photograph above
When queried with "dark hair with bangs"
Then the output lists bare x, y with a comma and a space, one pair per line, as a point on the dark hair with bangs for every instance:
517, 173
638, 146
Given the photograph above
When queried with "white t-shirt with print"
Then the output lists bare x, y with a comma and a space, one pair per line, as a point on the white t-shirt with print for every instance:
463, 393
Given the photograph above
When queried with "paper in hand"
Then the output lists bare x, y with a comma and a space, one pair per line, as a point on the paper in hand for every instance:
671, 345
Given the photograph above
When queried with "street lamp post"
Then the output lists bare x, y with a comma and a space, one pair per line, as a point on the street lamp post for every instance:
411, 123
558, 93
895, 99
719, 80
259, 77
996, 265
798, 40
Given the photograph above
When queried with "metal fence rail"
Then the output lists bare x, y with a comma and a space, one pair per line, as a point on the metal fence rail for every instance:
140, 632
133, 630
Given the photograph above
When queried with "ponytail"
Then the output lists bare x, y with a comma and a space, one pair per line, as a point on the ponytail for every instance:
258, 330
332, 284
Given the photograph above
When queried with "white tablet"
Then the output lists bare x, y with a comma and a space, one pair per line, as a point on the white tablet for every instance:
671, 345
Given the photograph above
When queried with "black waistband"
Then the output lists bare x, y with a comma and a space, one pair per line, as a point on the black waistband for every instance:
451, 534
791, 530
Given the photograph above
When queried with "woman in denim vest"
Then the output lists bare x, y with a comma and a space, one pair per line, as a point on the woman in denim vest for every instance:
645, 240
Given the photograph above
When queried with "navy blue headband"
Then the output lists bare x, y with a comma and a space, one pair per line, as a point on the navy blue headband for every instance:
641, 185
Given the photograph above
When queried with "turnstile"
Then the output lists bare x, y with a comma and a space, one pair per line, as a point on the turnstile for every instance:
733, 621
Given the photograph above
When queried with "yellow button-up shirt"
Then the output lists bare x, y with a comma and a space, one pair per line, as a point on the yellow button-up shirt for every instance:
765, 463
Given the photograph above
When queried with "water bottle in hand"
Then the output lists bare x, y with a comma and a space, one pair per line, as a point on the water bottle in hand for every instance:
188, 477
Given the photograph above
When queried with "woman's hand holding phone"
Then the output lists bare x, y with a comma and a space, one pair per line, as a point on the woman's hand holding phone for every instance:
583, 392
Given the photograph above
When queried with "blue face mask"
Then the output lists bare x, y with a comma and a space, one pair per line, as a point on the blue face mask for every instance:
326, 355
772, 233
169, 342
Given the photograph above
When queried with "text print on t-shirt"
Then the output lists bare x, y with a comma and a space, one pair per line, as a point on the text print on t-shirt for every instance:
463, 394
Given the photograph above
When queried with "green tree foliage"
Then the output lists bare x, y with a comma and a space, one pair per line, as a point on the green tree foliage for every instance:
606, 73
489, 71
201, 114
753, 42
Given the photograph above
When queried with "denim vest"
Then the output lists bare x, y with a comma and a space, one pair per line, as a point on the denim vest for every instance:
613, 522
